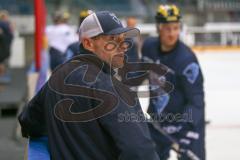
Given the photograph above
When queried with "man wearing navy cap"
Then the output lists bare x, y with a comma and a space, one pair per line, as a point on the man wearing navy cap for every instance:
79, 107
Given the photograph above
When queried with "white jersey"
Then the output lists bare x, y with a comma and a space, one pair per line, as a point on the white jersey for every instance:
61, 36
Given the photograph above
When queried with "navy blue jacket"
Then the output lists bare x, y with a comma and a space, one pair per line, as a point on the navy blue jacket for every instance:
82, 111
6, 37
188, 94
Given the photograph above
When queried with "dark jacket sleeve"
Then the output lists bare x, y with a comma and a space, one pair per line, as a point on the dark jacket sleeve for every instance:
132, 138
191, 81
125, 124
32, 118
131, 135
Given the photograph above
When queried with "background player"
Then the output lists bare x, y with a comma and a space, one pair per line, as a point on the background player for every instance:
188, 96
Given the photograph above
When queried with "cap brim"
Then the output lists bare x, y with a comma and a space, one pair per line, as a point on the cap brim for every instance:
129, 32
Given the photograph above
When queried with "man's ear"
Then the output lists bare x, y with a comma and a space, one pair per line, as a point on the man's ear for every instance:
87, 44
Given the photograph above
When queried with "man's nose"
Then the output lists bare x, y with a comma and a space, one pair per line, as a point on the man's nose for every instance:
120, 38
122, 48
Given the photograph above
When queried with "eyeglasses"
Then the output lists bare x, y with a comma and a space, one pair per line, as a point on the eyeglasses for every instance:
125, 45
111, 45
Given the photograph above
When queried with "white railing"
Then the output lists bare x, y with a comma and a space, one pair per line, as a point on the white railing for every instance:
217, 34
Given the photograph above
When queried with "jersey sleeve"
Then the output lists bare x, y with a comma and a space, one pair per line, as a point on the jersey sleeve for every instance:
191, 81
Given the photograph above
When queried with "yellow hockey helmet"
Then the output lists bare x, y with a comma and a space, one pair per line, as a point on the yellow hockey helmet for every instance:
167, 14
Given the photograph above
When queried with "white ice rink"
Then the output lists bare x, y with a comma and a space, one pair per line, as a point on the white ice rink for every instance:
221, 72
222, 94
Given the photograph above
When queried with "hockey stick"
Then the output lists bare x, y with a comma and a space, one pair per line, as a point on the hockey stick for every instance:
175, 145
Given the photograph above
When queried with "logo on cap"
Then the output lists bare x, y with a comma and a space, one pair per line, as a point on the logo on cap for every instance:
115, 18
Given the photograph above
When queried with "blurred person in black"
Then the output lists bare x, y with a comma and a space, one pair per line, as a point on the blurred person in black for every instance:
133, 54
79, 107
73, 49
181, 111
6, 37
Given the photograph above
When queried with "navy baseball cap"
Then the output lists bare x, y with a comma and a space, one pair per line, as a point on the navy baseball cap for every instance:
104, 23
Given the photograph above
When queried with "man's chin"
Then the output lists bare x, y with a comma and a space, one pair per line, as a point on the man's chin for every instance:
118, 62
121, 66
172, 43
117, 65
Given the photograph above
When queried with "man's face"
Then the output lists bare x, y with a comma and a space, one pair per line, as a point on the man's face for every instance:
111, 49
131, 22
169, 34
